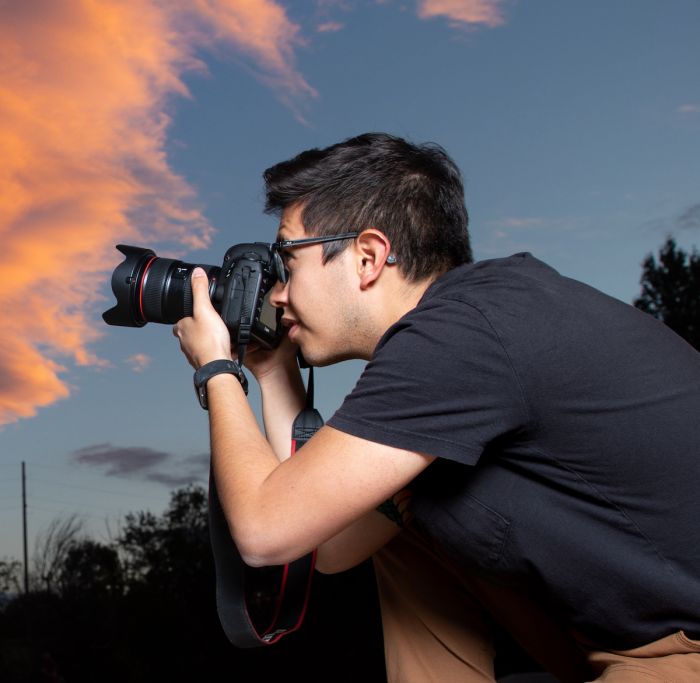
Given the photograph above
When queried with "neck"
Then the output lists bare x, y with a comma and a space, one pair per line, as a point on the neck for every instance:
390, 303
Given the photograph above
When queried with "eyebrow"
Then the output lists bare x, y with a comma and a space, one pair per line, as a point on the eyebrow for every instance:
280, 232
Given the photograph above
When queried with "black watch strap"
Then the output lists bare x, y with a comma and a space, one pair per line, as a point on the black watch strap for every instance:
216, 367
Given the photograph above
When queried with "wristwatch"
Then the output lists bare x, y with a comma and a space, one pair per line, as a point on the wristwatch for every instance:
216, 367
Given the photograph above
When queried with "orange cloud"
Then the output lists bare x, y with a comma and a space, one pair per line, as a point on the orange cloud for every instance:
463, 12
261, 30
85, 89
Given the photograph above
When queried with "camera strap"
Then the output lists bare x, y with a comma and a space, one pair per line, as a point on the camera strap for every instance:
259, 605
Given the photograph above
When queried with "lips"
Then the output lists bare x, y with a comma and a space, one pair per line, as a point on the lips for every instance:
291, 325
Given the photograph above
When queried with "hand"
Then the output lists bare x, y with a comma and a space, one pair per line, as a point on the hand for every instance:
264, 362
204, 336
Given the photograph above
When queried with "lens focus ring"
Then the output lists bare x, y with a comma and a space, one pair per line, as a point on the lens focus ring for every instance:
153, 290
187, 300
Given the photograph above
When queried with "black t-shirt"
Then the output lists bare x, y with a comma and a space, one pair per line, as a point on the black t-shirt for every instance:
567, 427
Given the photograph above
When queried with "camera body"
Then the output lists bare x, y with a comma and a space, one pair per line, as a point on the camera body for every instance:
248, 278
153, 289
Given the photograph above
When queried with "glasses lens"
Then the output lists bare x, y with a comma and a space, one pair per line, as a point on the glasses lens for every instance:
280, 269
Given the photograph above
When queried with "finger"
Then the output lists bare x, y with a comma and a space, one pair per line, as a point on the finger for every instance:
200, 291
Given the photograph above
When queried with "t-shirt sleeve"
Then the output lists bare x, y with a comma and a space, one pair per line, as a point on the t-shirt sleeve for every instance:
440, 383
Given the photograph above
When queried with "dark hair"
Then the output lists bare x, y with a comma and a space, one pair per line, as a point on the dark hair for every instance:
413, 194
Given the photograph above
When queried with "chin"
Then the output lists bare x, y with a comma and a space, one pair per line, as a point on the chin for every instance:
320, 358
316, 359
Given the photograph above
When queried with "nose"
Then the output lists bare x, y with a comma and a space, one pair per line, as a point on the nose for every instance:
278, 295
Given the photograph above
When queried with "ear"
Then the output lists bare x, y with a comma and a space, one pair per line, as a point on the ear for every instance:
372, 248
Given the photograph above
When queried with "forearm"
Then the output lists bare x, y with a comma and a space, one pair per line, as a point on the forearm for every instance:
283, 397
242, 459
269, 510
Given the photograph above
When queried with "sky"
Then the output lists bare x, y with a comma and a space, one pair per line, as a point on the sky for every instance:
149, 122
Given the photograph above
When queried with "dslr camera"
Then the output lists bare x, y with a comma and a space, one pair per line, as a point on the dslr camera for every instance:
159, 290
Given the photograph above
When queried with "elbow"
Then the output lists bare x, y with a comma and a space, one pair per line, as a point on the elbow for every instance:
256, 560
257, 557
251, 554
257, 554
258, 548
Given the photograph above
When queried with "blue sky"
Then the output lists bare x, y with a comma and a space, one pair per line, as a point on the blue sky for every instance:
576, 126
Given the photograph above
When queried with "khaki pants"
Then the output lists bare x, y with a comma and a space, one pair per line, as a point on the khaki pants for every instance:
437, 630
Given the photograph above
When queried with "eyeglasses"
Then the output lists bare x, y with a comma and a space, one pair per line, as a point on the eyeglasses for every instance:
281, 269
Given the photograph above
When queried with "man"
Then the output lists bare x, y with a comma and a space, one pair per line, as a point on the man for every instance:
537, 437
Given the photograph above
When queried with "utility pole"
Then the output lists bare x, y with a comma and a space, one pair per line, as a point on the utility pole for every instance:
24, 528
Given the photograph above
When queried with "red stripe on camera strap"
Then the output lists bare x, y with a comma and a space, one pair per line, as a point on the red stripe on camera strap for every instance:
241, 591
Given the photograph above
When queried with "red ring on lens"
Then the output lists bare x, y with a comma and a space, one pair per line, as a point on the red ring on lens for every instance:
143, 280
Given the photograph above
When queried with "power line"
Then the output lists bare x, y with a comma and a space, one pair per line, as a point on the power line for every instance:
88, 488
37, 508
73, 504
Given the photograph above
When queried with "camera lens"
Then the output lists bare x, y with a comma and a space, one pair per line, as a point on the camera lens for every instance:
166, 289
152, 289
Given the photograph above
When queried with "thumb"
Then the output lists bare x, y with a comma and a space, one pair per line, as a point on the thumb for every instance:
200, 289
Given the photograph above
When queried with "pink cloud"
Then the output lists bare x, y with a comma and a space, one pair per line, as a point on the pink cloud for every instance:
463, 12
85, 96
138, 362
330, 27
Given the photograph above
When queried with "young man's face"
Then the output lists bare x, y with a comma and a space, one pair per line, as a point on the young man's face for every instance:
317, 302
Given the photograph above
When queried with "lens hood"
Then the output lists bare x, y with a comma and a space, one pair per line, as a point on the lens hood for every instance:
125, 279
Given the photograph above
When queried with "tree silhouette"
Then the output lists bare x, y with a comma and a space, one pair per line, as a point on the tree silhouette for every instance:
671, 290
91, 567
171, 551
51, 549
142, 608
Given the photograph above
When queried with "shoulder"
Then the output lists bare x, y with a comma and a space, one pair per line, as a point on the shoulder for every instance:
474, 297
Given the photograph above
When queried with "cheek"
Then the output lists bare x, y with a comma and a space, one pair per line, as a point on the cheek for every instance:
298, 290
304, 282
314, 292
